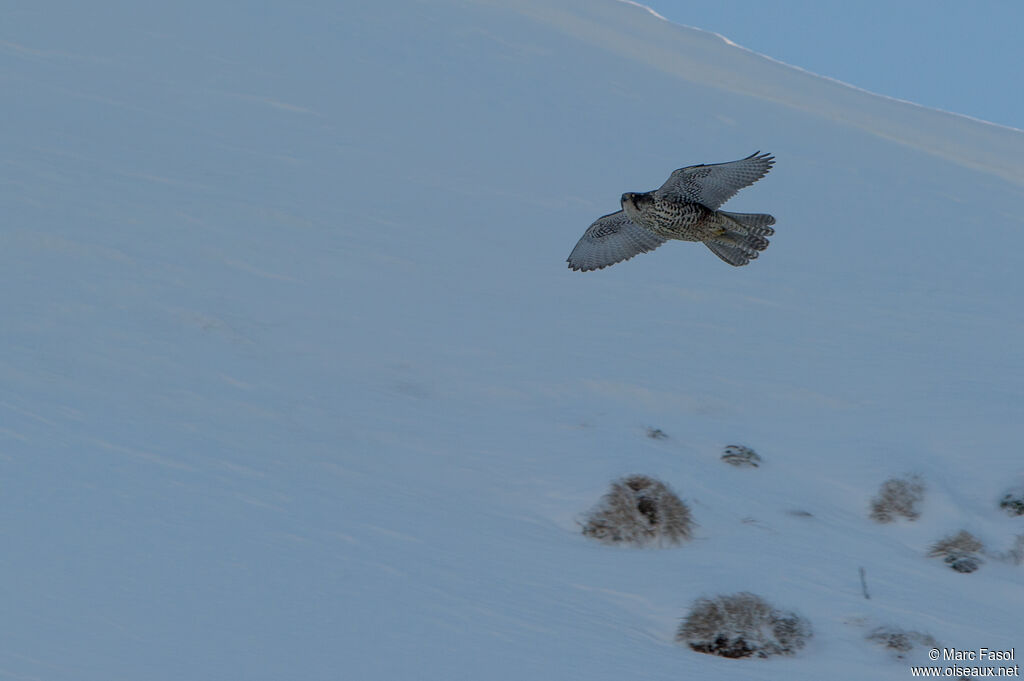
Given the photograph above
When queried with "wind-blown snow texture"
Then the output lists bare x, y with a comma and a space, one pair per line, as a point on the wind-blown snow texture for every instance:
296, 384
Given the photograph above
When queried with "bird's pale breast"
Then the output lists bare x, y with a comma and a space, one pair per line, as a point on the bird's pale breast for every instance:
679, 220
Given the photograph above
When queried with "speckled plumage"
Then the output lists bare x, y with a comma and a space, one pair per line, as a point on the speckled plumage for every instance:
684, 208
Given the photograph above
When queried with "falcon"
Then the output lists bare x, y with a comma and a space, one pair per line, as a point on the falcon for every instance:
684, 208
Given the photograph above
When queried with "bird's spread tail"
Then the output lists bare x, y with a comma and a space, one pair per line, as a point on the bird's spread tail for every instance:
750, 223
744, 237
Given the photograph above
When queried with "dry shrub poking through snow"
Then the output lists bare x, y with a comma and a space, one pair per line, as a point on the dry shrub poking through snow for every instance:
959, 551
742, 625
740, 456
1013, 501
900, 641
656, 434
898, 497
641, 511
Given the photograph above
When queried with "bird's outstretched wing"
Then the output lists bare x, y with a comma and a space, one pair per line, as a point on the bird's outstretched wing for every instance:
712, 185
611, 239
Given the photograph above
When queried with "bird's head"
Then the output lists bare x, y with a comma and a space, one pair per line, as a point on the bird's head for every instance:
633, 204
634, 199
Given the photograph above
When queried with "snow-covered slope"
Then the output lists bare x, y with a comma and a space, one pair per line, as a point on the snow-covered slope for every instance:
296, 383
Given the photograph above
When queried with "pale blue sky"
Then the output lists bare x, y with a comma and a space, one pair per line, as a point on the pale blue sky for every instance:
965, 57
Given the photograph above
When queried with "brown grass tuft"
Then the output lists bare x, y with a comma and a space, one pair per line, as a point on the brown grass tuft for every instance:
742, 625
640, 511
898, 497
959, 551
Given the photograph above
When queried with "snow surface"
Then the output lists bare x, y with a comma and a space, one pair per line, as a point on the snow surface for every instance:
296, 383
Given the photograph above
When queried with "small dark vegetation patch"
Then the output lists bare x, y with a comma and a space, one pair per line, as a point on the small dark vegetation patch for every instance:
900, 641
960, 551
641, 511
1013, 501
898, 497
742, 625
657, 434
741, 457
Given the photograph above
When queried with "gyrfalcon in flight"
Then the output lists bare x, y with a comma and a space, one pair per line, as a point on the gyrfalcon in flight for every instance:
684, 208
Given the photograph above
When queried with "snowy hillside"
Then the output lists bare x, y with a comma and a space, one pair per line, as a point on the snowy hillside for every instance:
296, 383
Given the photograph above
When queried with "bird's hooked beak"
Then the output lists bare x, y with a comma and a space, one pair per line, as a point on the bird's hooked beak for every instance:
633, 199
